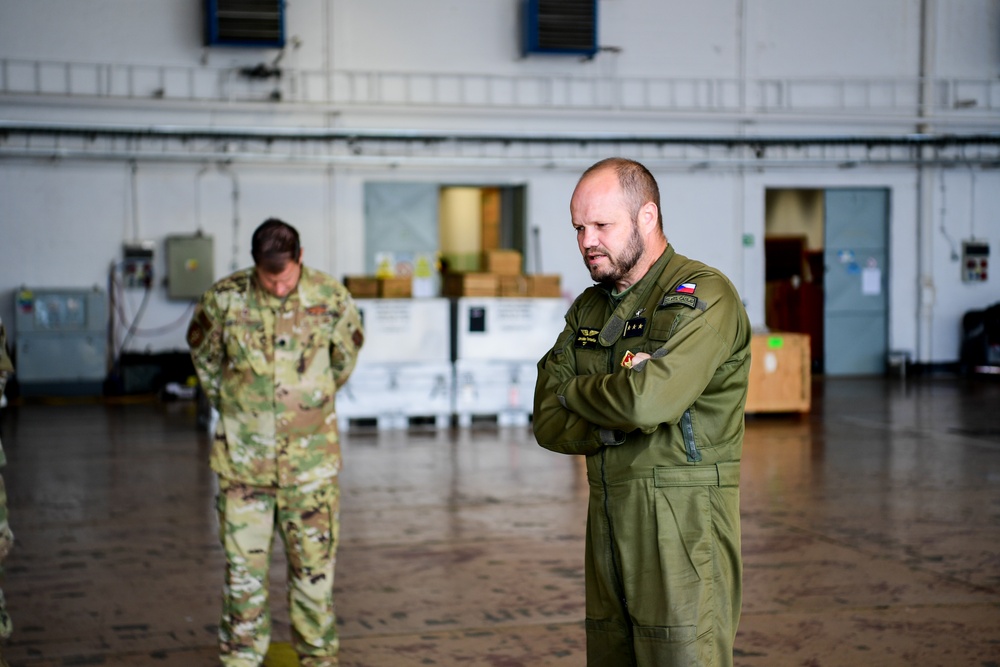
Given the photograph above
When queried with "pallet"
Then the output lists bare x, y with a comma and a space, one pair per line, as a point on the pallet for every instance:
396, 422
501, 419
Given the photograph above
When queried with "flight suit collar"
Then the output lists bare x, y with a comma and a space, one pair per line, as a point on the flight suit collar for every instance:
629, 303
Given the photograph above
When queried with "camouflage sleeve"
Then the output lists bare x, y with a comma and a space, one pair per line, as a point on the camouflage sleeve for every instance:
6, 366
348, 337
204, 337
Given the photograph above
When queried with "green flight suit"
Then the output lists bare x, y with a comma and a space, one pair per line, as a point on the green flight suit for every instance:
663, 441
271, 367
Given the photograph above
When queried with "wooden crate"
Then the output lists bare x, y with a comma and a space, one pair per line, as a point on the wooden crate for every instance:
501, 262
514, 286
397, 287
544, 285
471, 284
362, 287
780, 376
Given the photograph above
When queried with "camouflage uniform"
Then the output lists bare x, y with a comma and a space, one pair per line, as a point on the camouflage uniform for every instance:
271, 367
6, 536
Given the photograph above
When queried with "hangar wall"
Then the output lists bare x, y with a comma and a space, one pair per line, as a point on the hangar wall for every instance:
724, 68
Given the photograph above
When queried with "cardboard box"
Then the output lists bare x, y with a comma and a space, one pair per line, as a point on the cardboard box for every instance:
502, 262
780, 374
514, 286
362, 287
544, 285
471, 284
398, 287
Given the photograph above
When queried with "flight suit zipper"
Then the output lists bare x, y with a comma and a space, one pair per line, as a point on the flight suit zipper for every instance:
687, 432
616, 571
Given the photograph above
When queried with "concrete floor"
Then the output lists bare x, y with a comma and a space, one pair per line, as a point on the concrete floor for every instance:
871, 537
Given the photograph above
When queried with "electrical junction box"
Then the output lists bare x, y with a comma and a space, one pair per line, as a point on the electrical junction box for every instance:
62, 338
190, 266
137, 265
975, 261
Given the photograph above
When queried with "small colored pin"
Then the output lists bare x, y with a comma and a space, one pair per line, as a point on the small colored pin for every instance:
627, 360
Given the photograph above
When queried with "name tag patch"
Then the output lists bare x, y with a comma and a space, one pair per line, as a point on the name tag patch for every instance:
689, 300
586, 338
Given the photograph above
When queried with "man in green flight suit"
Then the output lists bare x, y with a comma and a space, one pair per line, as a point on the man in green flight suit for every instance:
649, 380
271, 345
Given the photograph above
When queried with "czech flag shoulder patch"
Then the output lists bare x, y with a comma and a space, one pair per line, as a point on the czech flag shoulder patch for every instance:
686, 288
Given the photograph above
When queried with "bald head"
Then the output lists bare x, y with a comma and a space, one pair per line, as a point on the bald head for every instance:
616, 214
637, 185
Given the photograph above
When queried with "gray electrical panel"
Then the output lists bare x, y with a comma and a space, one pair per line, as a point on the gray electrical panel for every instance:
190, 266
62, 340
975, 261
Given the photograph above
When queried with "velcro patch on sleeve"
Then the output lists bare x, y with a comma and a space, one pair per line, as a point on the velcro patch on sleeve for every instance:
198, 330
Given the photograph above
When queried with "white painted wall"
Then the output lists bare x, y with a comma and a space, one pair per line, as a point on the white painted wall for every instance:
63, 222
858, 38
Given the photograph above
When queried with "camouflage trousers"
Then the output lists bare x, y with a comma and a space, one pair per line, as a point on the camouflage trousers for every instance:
6, 542
307, 517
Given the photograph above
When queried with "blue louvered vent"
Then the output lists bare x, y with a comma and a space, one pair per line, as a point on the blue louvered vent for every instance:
560, 26
245, 23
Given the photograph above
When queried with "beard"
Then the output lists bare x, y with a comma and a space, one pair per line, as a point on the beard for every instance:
618, 266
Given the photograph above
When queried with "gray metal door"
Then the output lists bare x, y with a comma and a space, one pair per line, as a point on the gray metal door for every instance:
400, 218
856, 258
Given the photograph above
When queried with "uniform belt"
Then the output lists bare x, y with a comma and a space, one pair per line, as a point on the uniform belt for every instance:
721, 474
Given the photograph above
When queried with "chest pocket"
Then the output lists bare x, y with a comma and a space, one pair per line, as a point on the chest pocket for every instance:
663, 323
591, 356
320, 346
670, 314
247, 342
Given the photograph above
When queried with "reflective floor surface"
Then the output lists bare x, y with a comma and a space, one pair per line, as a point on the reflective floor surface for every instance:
871, 536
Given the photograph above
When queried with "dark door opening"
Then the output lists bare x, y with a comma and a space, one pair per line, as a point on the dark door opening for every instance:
793, 256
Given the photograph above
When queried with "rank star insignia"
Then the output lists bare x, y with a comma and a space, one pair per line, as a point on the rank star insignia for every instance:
635, 327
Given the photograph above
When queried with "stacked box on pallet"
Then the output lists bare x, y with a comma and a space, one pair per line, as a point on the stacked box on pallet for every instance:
404, 373
496, 343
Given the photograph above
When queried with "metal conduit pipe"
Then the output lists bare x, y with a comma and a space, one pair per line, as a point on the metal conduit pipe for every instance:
925, 197
560, 162
426, 136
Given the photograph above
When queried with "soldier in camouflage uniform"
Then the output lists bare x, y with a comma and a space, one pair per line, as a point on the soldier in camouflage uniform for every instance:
6, 536
271, 346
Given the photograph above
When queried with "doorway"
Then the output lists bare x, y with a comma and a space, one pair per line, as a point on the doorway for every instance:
826, 264
407, 223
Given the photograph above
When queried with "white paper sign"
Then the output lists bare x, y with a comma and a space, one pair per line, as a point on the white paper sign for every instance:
871, 281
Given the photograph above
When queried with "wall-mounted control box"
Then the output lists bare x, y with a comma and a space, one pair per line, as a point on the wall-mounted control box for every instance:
137, 264
190, 269
975, 261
